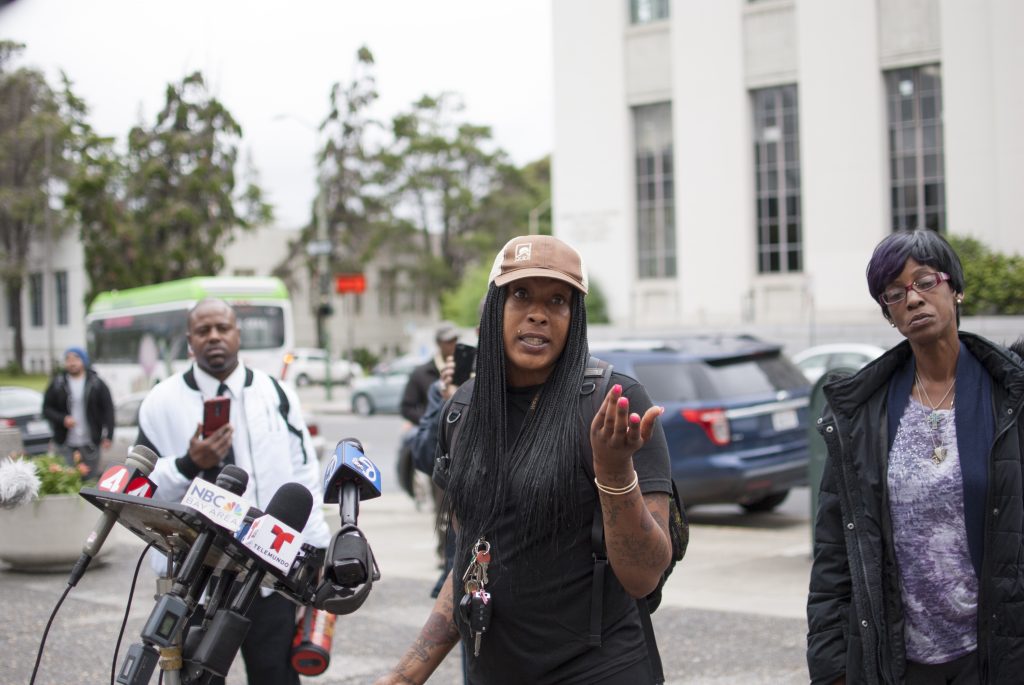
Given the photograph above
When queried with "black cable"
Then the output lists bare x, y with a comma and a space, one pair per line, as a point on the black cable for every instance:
42, 643
124, 621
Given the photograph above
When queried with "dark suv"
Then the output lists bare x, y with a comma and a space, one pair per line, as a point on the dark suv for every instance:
736, 414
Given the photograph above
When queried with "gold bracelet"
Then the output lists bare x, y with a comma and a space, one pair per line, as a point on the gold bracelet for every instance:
618, 491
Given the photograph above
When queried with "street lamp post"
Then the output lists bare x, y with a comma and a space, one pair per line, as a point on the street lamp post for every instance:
323, 308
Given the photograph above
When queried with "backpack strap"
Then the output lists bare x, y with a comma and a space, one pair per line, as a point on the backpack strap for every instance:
448, 431
284, 406
595, 384
594, 389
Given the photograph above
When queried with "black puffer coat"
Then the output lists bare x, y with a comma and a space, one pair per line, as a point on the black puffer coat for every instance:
854, 609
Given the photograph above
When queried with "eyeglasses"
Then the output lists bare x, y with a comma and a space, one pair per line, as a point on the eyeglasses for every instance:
898, 293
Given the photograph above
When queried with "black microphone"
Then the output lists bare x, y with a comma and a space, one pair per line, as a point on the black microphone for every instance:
233, 479
349, 566
140, 460
175, 606
290, 506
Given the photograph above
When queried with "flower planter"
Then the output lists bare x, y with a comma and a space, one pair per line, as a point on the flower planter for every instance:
47, 534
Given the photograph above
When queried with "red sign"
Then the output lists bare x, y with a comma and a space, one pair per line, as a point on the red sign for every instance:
349, 283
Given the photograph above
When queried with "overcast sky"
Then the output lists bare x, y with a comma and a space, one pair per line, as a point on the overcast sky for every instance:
265, 58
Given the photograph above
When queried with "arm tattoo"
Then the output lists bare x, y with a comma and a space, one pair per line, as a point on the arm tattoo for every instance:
439, 632
643, 550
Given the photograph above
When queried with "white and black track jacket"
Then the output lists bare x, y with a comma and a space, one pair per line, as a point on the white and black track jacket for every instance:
280, 451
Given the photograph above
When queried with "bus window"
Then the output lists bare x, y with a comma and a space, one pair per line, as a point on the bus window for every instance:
262, 327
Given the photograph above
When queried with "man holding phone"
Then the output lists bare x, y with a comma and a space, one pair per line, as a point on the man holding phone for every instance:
414, 399
221, 412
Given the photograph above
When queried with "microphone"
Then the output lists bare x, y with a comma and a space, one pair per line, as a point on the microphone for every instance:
350, 477
215, 502
349, 567
286, 515
138, 464
18, 482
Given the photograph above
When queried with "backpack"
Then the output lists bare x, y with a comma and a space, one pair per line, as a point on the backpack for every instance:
594, 388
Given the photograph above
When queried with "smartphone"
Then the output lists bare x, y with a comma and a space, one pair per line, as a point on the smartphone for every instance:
216, 412
465, 358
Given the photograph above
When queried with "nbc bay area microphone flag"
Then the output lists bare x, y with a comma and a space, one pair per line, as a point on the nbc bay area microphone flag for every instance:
219, 506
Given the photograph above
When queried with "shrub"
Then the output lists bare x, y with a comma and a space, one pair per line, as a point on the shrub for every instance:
56, 477
993, 282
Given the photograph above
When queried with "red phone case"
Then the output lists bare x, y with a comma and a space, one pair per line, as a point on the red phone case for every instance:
216, 413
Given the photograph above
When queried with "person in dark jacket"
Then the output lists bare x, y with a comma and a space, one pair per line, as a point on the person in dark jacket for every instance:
918, 575
414, 398
80, 411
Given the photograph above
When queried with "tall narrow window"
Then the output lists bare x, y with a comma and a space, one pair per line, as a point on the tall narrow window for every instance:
60, 281
655, 192
646, 11
777, 180
35, 298
917, 180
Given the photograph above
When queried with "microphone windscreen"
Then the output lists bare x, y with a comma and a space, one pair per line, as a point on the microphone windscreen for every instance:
233, 479
142, 458
291, 505
18, 482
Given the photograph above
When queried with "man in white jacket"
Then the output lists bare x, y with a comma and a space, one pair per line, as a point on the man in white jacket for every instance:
266, 436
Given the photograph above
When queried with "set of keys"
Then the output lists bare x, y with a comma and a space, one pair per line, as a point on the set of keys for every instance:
475, 604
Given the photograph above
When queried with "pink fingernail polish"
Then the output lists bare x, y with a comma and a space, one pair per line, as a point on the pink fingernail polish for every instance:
634, 418
623, 402
617, 389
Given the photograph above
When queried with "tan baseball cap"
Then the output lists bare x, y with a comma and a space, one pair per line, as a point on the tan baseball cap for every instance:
542, 256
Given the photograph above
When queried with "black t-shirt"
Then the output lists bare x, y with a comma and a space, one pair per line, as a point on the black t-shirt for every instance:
541, 590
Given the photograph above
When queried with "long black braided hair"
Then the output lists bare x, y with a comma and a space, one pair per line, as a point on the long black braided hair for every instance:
534, 471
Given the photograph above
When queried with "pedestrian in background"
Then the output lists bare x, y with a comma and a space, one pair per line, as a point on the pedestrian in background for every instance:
417, 388
516, 485
918, 575
80, 411
415, 401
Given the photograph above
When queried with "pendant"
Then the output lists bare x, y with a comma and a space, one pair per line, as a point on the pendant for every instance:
938, 455
934, 419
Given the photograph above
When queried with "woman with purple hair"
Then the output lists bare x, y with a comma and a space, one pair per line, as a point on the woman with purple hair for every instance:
918, 573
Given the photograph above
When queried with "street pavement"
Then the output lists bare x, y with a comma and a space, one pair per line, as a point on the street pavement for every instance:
732, 611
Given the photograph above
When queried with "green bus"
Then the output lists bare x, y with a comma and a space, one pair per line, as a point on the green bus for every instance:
136, 337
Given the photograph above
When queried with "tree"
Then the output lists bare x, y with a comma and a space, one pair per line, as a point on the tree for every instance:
439, 169
32, 138
993, 282
167, 208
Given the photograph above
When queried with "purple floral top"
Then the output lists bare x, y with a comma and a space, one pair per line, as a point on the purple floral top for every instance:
926, 503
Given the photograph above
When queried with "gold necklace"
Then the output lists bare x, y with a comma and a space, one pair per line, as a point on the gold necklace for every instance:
934, 420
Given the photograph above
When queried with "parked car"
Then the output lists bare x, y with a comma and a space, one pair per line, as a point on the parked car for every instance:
736, 415
126, 429
381, 391
306, 365
815, 361
22, 408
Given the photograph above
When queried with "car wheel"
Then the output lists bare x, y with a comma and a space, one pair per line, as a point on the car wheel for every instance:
362, 405
302, 380
766, 503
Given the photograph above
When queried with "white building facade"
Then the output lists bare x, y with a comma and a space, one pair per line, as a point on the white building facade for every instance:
729, 162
